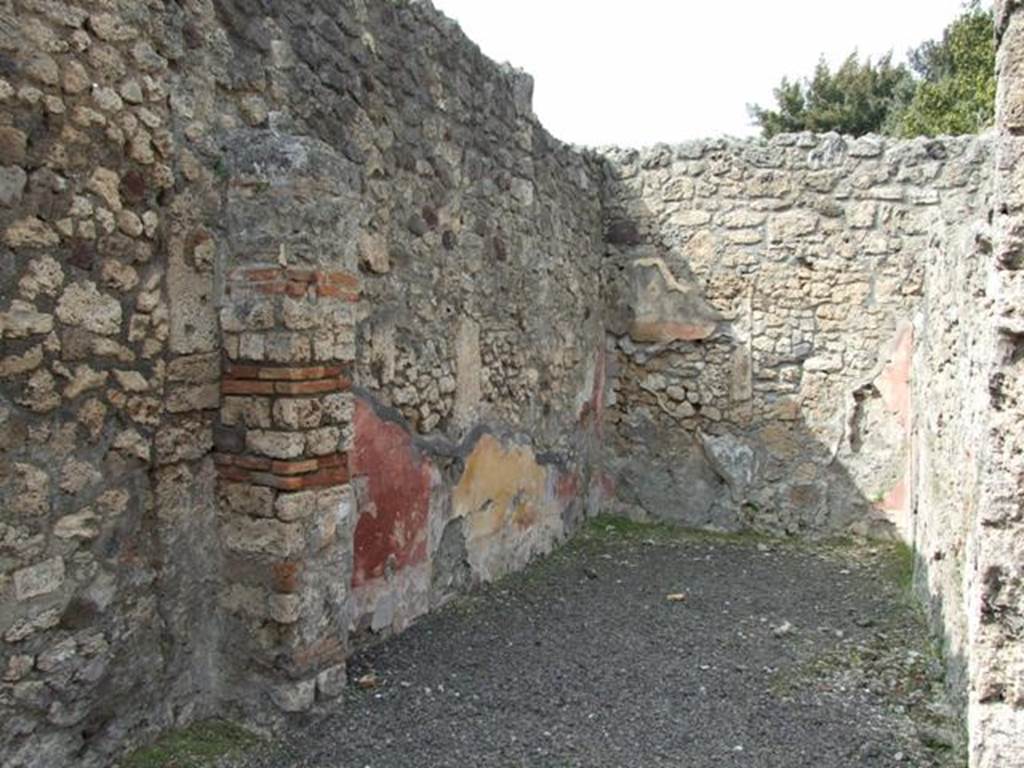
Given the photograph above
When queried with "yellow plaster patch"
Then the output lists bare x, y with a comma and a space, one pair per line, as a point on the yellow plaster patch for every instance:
503, 495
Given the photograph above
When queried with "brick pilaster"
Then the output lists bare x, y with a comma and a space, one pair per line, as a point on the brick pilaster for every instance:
282, 462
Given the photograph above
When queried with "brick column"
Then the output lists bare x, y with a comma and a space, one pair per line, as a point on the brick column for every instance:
281, 455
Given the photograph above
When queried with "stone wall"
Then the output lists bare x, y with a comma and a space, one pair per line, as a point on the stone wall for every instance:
815, 335
995, 600
479, 345
762, 324
299, 338
948, 387
109, 555
306, 323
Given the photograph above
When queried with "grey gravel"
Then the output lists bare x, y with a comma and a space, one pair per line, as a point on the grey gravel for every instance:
584, 660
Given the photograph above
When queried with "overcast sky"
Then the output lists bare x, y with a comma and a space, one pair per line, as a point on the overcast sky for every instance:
635, 72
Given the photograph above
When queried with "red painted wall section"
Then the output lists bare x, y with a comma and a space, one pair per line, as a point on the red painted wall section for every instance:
392, 527
894, 386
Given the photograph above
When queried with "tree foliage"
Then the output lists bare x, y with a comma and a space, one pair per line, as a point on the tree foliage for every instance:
948, 87
957, 88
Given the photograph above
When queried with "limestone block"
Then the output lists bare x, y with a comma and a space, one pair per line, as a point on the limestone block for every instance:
29, 491
111, 28
43, 276
40, 393
246, 499
184, 398
77, 475
294, 696
331, 682
276, 444
298, 413
131, 381
467, 371
107, 184
39, 579
18, 364
30, 232
666, 309
22, 320
12, 185
284, 609
373, 252
295, 506
186, 440
253, 412
193, 317
81, 525
791, 225
323, 441
82, 305
12, 146
262, 536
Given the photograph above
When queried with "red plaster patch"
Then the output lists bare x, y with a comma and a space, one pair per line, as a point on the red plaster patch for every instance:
394, 526
567, 487
894, 385
897, 498
894, 381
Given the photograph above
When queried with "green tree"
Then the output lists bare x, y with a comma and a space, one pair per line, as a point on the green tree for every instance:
957, 89
948, 87
857, 98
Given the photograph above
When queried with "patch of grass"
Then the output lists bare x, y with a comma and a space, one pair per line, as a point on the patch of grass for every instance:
197, 746
607, 526
900, 567
220, 169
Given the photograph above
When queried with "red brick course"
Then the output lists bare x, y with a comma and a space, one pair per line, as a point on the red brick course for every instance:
281, 373
252, 379
297, 282
320, 472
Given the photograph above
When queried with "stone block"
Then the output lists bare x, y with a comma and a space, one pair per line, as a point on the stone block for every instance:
193, 318
245, 499
287, 348
253, 412
294, 696
323, 441
39, 579
792, 225
196, 397
82, 305
12, 185
195, 369
285, 608
276, 444
296, 413
13, 144
185, 441
331, 682
263, 536
295, 506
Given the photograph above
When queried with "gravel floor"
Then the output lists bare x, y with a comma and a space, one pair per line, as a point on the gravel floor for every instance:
769, 655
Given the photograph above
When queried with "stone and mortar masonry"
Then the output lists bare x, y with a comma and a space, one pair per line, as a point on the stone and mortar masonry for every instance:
307, 325
761, 324
277, 285
995, 566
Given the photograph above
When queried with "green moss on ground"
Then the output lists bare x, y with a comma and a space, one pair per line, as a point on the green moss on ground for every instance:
610, 527
197, 746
